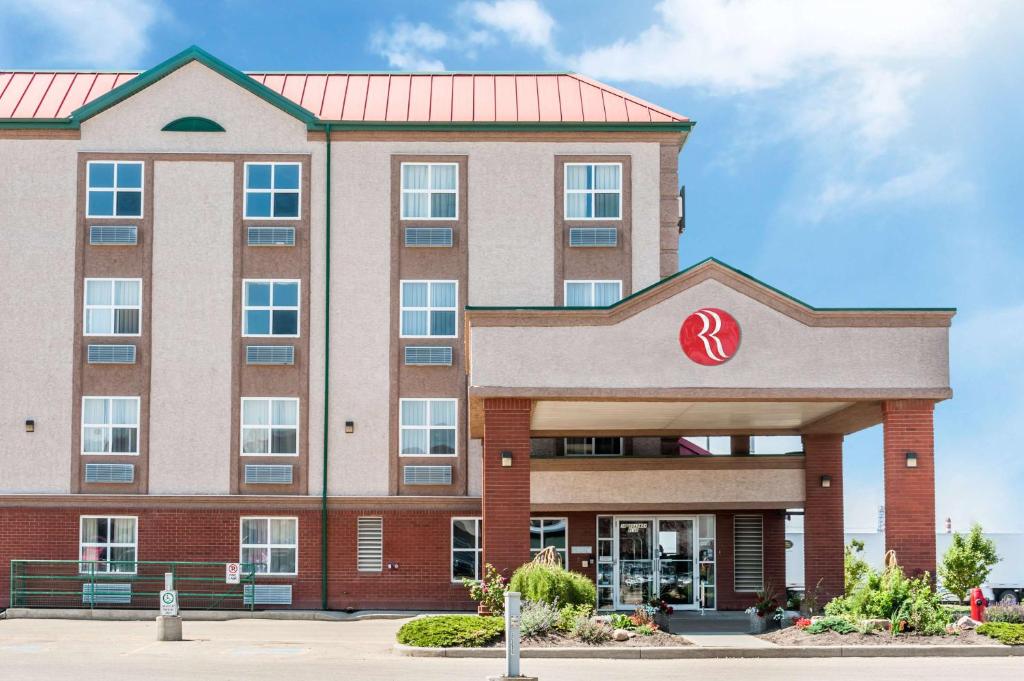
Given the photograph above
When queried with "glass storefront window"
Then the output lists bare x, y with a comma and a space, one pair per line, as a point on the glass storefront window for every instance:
706, 560
554, 532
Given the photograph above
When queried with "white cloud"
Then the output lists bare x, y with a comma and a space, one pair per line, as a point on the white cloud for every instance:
410, 46
85, 33
522, 21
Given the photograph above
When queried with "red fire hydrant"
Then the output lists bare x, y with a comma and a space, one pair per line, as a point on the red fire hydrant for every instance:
978, 605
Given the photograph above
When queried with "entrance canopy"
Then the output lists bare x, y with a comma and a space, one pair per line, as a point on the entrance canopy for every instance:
709, 350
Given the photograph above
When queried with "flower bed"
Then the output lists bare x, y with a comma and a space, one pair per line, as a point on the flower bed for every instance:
793, 636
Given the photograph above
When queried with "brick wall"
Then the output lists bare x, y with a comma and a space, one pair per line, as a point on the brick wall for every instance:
418, 541
774, 529
506, 491
910, 492
823, 516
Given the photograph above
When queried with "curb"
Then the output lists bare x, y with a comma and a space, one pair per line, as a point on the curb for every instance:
108, 615
705, 653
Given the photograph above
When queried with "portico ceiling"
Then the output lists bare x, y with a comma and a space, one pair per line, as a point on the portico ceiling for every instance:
562, 417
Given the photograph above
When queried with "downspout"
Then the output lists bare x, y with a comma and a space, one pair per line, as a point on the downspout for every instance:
327, 374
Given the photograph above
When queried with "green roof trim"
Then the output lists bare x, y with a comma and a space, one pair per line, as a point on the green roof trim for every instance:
718, 262
194, 53
193, 124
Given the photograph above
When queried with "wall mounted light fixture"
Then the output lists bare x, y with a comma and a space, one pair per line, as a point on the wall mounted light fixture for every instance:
911, 459
30, 425
826, 481
350, 427
506, 459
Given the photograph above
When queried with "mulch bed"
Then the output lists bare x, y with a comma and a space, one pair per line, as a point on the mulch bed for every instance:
656, 640
791, 636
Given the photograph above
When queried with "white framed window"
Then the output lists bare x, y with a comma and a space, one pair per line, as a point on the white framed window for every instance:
593, 191
430, 191
429, 309
554, 532
593, 446
270, 307
108, 543
467, 546
272, 191
110, 425
114, 189
270, 544
270, 426
113, 307
428, 426
592, 293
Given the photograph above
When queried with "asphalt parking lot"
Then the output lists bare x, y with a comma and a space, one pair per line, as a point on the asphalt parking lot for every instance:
63, 650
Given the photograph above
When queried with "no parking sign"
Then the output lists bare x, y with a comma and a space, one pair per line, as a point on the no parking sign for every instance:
231, 572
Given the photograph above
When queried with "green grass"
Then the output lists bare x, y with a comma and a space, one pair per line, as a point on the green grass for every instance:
451, 631
1004, 632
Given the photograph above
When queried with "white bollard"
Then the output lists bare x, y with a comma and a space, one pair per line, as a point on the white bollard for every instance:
512, 638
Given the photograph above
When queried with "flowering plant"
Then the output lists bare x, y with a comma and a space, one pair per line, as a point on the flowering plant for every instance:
489, 592
643, 616
661, 606
765, 601
801, 622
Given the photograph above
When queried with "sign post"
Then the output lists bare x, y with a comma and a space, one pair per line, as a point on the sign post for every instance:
231, 573
168, 624
512, 604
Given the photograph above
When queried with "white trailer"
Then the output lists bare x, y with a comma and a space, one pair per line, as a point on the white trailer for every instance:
1005, 584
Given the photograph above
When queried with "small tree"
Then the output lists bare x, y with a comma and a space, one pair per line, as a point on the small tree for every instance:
855, 568
968, 562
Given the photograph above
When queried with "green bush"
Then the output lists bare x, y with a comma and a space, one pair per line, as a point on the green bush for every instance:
1004, 632
451, 631
836, 623
620, 621
967, 562
909, 604
568, 615
538, 618
550, 584
855, 568
589, 631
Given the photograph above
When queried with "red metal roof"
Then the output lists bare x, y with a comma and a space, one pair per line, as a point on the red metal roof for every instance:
394, 97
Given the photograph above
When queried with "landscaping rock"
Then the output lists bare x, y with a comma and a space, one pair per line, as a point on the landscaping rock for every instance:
879, 624
620, 635
966, 622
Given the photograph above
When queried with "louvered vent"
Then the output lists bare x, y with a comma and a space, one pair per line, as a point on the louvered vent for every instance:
110, 472
267, 594
111, 354
748, 548
428, 237
370, 545
593, 236
271, 236
268, 474
428, 355
114, 235
427, 475
270, 354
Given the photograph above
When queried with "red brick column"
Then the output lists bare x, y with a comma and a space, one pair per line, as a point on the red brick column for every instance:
910, 492
823, 516
506, 491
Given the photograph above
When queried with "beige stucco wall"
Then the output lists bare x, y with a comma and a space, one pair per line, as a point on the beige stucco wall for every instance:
250, 123
190, 414
667, 486
37, 295
475, 464
776, 351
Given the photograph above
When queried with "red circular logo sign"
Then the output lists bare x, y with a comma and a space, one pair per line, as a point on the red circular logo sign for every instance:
709, 336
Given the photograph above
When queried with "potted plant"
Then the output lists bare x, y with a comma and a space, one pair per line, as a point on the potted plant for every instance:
766, 603
661, 612
489, 592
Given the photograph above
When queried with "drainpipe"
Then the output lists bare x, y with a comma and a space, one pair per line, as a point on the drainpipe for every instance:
327, 374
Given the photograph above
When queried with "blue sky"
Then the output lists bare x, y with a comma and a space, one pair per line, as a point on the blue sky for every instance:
849, 153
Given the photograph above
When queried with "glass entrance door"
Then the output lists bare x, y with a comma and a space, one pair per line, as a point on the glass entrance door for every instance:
636, 562
674, 565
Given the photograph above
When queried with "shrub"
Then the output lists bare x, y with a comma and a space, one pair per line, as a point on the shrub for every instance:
591, 631
449, 631
643, 616
620, 621
551, 584
646, 629
489, 591
855, 568
568, 615
537, 618
1004, 632
1014, 614
909, 604
840, 625
967, 562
